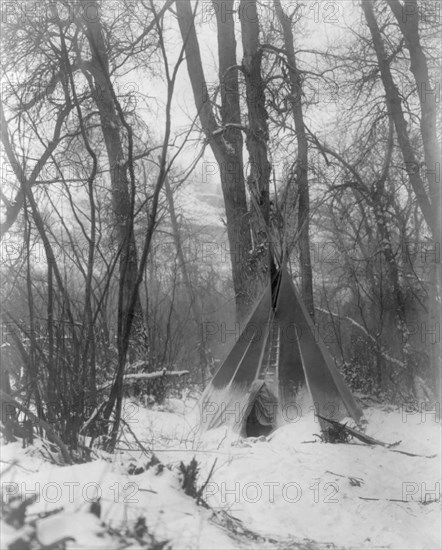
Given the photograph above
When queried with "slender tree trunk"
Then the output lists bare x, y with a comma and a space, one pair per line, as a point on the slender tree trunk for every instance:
193, 299
394, 297
302, 160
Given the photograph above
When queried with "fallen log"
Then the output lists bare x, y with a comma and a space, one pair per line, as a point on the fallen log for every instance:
371, 440
129, 378
355, 433
158, 374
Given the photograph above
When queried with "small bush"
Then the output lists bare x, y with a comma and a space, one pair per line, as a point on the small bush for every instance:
190, 474
335, 434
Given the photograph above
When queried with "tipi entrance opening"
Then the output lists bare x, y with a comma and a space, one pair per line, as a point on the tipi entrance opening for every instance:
262, 418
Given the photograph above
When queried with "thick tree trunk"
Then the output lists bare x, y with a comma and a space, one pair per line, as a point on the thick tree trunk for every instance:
111, 125
394, 103
302, 160
408, 17
429, 203
225, 142
257, 137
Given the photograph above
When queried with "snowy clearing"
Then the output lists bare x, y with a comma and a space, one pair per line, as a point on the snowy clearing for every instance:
289, 490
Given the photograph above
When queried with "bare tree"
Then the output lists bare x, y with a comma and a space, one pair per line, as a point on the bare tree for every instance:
301, 171
428, 192
224, 138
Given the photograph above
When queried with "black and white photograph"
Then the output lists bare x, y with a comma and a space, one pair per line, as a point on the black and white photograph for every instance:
220, 275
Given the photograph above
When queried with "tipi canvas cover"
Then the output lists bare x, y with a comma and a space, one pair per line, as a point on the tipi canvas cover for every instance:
277, 370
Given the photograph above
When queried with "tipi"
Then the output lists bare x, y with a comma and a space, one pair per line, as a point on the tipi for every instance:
277, 370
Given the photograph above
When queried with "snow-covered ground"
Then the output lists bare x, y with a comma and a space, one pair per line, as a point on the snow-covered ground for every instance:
287, 490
